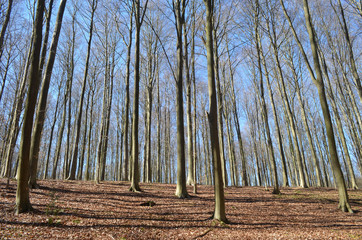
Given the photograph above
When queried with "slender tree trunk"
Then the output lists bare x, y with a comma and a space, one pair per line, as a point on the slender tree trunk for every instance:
194, 91
336, 168
181, 191
4, 26
41, 110
22, 191
190, 150
125, 173
352, 61
45, 175
220, 107
339, 123
81, 159
260, 90
219, 211
87, 172
78, 121
135, 154
158, 110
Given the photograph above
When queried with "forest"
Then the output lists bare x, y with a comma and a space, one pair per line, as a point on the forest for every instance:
214, 103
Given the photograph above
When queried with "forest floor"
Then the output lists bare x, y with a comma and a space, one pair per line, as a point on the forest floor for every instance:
84, 210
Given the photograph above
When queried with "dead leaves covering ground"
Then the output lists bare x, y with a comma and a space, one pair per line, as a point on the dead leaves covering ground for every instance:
83, 210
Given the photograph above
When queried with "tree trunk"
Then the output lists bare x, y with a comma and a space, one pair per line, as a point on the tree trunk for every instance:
339, 124
135, 170
4, 26
41, 110
190, 150
78, 120
220, 107
219, 211
45, 175
22, 191
260, 90
181, 191
336, 167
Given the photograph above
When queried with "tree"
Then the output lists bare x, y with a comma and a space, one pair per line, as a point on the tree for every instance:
40, 115
4, 26
78, 120
125, 173
22, 192
317, 77
139, 16
219, 211
179, 13
260, 89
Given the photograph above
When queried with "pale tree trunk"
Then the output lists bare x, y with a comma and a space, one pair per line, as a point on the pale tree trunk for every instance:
22, 191
92, 92
339, 123
318, 81
260, 91
158, 110
14, 129
206, 143
219, 211
126, 164
61, 130
15, 119
41, 110
193, 33
251, 120
220, 105
291, 65
287, 106
231, 151
108, 113
45, 175
343, 24
81, 159
152, 48
70, 74
135, 153
179, 13
236, 120
273, 40
190, 150
78, 121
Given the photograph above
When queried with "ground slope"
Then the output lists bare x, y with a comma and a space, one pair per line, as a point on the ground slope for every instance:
84, 210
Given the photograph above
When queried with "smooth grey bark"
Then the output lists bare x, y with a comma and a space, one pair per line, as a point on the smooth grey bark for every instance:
179, 14
139, 16
260, 90
45, 175
190, 145
318, 81
219, 210
220, 104
78, 121
125, 172
339, 123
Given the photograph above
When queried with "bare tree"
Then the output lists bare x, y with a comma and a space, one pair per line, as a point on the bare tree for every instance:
219, 211
22, 191
139, 16
41, 110
78, 120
